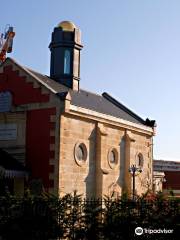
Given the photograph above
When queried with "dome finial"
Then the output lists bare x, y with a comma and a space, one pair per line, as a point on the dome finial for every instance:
67, 26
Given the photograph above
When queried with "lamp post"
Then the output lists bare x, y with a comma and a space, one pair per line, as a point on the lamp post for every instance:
133, 169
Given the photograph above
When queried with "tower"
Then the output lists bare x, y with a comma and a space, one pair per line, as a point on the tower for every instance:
65, 49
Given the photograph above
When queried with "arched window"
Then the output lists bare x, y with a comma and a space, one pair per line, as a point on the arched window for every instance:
140, 160
67, 59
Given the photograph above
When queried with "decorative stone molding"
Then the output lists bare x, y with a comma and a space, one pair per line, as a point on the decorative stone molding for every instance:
102, 130
104, 118
130, 136
67, 101
105, 171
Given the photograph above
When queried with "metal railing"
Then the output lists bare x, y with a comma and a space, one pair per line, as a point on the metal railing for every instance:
75, 218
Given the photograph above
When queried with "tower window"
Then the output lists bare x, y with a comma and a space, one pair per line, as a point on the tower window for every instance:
67, 59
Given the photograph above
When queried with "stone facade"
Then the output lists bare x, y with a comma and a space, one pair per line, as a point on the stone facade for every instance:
95, 177
74, 176
73, 140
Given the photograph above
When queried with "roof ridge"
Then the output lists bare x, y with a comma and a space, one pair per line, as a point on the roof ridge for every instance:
29, 69
37, 78
84, 90
120, 105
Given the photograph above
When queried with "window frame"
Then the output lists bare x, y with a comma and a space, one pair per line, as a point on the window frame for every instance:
114, 164
67, 62
83, 161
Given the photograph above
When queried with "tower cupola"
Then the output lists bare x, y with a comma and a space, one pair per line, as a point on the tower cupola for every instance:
65, 50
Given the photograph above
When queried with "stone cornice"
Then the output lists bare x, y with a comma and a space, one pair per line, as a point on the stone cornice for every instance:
104, 118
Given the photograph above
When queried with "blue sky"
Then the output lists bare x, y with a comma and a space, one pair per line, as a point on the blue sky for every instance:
131, 50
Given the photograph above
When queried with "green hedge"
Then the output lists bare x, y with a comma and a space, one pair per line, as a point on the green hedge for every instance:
71, 217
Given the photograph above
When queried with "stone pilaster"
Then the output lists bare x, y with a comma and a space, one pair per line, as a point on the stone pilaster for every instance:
127, 176
101, 163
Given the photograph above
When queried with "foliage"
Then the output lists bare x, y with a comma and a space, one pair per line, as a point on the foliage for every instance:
71, 217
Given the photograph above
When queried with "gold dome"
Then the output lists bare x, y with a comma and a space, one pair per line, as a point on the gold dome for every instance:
67, 26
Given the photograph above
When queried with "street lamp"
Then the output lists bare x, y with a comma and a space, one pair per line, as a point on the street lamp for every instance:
133, 169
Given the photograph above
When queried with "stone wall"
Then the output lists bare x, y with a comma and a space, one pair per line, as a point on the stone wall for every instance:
73, 176
97, 175
142, 145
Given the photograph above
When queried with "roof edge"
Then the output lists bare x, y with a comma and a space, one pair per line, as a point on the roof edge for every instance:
30, 72
120, 105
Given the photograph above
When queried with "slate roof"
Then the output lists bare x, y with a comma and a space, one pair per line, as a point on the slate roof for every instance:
104, 103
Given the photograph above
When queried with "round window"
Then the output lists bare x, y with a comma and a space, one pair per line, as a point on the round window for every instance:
113, 157
80, 153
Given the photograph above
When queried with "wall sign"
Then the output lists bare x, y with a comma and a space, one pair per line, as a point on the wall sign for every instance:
8, 131
5, 101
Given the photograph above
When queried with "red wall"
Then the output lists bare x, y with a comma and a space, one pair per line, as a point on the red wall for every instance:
38, 142
23, 92
38, 124
172, 180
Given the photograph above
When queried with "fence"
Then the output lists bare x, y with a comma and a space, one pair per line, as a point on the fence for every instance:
71, 217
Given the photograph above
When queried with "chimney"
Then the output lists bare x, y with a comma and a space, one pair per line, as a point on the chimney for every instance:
65, 49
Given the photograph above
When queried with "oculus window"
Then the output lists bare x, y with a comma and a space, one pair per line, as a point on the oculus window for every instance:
113, 157
80, 153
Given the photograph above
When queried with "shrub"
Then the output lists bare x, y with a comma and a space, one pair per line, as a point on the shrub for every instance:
71, 217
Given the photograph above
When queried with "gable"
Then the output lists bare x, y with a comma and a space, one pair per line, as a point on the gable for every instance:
21, 86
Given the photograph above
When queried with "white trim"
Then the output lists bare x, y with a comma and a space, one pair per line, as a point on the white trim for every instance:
111, 118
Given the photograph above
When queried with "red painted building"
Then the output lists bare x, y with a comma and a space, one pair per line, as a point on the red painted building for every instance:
32, 112
171, 178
